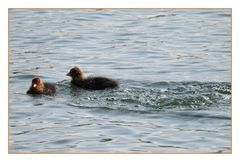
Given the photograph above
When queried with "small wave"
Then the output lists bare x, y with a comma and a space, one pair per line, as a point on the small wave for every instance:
30, 52
106, 140
224, 15
20, 76
20, 133
161, 15
191, 114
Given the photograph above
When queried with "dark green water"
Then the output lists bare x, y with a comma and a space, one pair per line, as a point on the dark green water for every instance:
173, 68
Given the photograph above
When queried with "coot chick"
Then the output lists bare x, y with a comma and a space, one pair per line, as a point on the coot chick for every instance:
94, 83
38, 87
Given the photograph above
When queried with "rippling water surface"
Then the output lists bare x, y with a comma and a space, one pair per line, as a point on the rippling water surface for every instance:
174, 72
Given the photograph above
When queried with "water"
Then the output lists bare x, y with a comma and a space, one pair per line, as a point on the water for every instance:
174, 73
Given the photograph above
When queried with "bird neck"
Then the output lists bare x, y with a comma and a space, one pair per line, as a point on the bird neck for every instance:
78, 77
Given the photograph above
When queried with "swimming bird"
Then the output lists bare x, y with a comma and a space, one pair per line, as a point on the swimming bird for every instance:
38, 87
94, 83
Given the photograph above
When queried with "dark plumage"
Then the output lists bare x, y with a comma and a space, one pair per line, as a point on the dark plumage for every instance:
38, 87
94, 83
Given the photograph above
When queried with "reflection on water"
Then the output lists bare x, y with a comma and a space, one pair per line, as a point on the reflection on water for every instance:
174, 73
